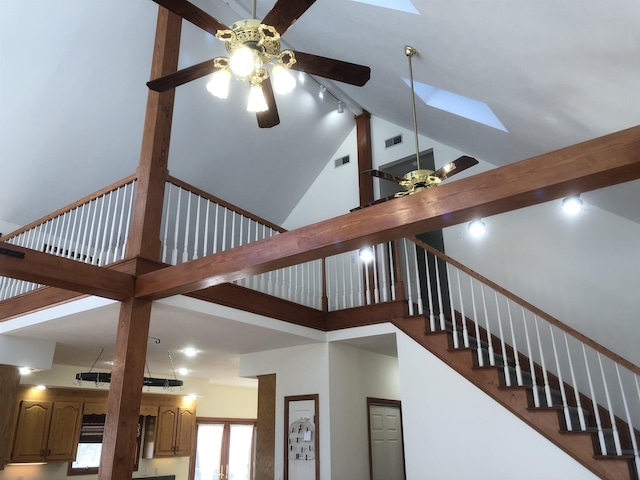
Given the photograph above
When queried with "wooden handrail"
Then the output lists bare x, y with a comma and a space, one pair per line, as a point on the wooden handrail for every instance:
225, 204
535, 310
68, 208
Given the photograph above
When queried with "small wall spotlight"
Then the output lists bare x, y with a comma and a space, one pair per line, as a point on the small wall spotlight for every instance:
321, 91
340, 106
572, 205
366, 254
477, 228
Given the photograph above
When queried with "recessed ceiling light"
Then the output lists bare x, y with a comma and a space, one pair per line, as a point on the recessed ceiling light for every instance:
190, 352
41, 387
572, 205
24, 370
477, 228
183, 371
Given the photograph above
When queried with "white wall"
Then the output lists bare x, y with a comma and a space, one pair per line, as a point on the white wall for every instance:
453, 430
356, 374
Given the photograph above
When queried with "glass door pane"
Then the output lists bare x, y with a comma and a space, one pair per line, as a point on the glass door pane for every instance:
240, 451
208, 451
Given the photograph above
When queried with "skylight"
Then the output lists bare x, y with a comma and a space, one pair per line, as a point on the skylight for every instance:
400, 5
457, 104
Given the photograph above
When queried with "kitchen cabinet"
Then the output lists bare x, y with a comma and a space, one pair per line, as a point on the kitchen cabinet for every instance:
174, 431
46, 431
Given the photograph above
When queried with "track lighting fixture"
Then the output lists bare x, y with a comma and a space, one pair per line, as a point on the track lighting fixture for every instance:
340, 106
321, 92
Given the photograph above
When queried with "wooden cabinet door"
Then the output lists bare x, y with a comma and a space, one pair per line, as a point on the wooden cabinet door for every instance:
165, 431
31, 431
64, 433
184, 431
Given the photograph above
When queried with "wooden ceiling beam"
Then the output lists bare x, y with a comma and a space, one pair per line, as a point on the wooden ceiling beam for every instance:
46, 269
590, 165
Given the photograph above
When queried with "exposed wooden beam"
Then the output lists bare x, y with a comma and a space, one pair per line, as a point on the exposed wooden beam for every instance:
365, 156
590, 165
47, 269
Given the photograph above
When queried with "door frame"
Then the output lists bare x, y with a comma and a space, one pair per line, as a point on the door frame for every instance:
385, 403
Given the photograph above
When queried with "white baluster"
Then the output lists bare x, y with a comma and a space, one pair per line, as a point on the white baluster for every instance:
91, 246
408, 274
503, 347
612, 417
456, 343
64, 234
187, 223
439, 290
565, 404
583, 423
224, 230
103, 244
343, 258
634, 442
176, 230
492, 360
432, 317
603, 444
352, 260
215, 231
516, 356
336, 295
476, 326
206, 229
196, 235
361, 294
465, 332
85, 232
233, 229
414, 254
392, 271
120, 224
77, 230
367, 286
545, 375
113, 227
536, 396
127, 226
166, 223
376, 291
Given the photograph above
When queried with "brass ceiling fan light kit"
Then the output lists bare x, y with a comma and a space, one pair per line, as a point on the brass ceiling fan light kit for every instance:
255, 55
420, 179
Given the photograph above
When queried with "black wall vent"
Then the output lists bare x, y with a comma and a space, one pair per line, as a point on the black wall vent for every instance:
390, 142
341, 161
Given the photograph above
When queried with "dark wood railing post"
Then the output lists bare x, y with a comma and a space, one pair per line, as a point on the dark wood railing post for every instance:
399, 286
125, 393
9, 380
325, 299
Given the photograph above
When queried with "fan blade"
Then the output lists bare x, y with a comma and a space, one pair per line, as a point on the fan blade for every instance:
193, 14
285, 12
162, 84
375, 202
334, 69
269, 118
385, 175
455, 167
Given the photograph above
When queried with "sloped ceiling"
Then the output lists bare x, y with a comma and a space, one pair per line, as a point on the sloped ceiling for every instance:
73, 73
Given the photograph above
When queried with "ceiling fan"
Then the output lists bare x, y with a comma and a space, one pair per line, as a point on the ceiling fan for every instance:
420, 179
253, 45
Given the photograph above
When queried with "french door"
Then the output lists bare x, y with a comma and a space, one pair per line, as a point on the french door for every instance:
224, 449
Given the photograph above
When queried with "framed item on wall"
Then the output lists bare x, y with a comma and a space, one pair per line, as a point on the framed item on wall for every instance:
301, 438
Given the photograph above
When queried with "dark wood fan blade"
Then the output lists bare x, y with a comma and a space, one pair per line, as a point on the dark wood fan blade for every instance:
375, 202
269, 118
385, 175
285, 12
162, 84
193, 14
334, 69
455, 167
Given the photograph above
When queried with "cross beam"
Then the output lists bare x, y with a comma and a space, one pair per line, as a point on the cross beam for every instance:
590, 165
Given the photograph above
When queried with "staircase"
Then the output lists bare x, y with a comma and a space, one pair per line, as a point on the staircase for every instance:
550, 417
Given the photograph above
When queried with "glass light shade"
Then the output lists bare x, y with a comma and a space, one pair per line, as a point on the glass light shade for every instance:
572, 205
218, 86
257, 102
242, 62
366, 254
283, 81
477, 228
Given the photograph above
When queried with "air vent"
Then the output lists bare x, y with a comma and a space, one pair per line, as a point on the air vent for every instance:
390, 142
341, 161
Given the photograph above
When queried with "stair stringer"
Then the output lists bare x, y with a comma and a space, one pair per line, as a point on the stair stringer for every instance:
545, 421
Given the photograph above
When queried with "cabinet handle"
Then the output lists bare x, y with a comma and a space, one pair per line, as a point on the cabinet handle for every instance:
48, 452
42, 452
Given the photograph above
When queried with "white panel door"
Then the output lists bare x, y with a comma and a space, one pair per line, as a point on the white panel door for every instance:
386, 443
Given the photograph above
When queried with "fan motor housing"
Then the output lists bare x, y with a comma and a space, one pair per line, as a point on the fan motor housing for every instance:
252, 34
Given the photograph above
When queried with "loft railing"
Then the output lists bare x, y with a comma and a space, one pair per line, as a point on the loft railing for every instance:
92, 230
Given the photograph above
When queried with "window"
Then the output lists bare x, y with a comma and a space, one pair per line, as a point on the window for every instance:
90, 445
224, 449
